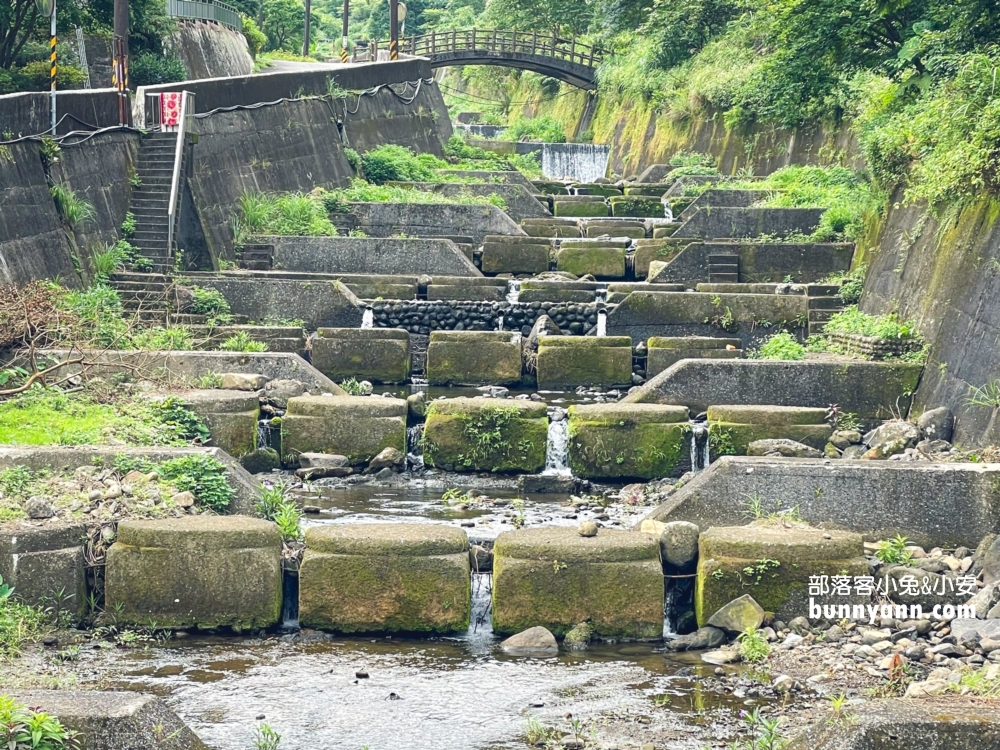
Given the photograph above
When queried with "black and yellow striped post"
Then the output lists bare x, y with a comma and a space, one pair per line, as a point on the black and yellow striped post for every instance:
343, 38
393, 29
48, 8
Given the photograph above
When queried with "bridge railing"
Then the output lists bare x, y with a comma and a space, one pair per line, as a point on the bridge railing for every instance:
495, 42
203, 10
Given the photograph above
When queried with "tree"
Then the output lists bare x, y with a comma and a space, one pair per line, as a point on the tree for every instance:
563, 17
18, 21
283, 24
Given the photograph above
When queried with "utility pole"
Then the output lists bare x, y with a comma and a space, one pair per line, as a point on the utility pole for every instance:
120, 67
393, 29
52, 67
343, 38
305, 36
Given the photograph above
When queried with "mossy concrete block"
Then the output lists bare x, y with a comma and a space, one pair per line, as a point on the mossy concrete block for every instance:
375, 578
579, 208
474, 358
547, 228
41, 561
201, 572
359, 427
618, 441
231, 418
734, 427
636, 231
636, 205
662, 250
569, 361
602, 262
773, 564
553, 577
665, 230
502, 254
664, 351
380, 355
485, 434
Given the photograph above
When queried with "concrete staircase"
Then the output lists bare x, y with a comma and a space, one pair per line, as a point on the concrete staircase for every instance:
145, 296
151, 200
824, 303
723, 269
257, 257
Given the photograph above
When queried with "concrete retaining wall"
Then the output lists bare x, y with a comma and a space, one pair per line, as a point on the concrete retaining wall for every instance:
433, 220
520, 203
370, 256
749, 222
931, 504
28, 113
210, 50
868, 389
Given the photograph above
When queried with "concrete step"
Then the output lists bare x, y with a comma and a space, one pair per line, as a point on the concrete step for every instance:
821, 316
727, 259
826, 303
723, 278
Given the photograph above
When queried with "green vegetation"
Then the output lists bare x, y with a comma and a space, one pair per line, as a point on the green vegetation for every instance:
759, 733
780, 346
74, 210
118, 256
292, 214
352, 387
851, 283
987, 395
23, 728
19, 625
893, 551
265, 738
544, 128
853, 321
151, 69
276, 505
361, 191
753, 646
241, 342
202, 476
392, 163
210, 302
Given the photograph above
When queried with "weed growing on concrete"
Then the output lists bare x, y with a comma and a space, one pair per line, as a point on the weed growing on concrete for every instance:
23, 728
352, 387
293, 214
852, 321
241, 342
987, 395
851, 283
276, 505
202, 476
73, 209
19, 624
209, 380
782, 346
754, 646
893, 551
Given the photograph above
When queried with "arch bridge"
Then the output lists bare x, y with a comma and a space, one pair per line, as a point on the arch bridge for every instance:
564, 59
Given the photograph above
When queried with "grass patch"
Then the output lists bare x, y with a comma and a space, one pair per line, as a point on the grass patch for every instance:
780, 346
242, 342
20, 624
852, 321
287, 214
546, 129
361, 191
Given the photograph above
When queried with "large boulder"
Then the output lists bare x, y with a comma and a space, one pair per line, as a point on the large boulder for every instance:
554, 577
641, 441
937, 424
359, 427
738, 616
486, 434
202, 572
593, 361
891, 438
474, 358
774, 565
782, 447
400, 577
380, 355
536, 641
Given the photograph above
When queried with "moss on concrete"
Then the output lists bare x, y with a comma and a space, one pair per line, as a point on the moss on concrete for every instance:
615, 441
767, 415
569, 361
203, 572
739, 436
636, 205
354, 426
555, 578
578, 208
408, 578
380, 355
474, 358
601, 262
480, 434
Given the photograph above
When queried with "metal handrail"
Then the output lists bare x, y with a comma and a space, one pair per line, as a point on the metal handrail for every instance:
187, 109
206, 10
493, 41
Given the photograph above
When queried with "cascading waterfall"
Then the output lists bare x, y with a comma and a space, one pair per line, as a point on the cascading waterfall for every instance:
700, 458
368, 319
669, 632
481, 621
500, 323
513, 290
601, 294
557, 445
582, 162
415, 446
290, 600
602, 323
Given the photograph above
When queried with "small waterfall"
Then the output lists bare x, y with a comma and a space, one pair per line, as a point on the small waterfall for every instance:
481, 621
267, 436
601, 294
368, 319
415, 446
290, 600
582, 162
557, 445
667, 213
669, 631
699, 446
500, 323
602, 323
513, 290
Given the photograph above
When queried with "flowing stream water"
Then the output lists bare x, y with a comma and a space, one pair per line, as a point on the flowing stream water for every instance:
513, 290
557, 448
368, 319
582, 162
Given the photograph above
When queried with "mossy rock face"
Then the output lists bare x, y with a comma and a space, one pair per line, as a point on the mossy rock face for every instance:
601, 262
375, 578
509, 257
555, 578
380, 355
358, 427
578, 208
737, 437
691, 342
474, 358
569, 361
637, 205
619, 441
766, 414
231, 418
773, 564
635, 231
484, 434
202, 572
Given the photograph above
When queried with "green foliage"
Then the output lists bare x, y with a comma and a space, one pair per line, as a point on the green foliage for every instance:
75, 211
754, 646
781, 345
852, 321
256, 39
893, 551
265, 738
202, 476
116, 256
545, 128
128, 225
352, 387
353, 158
242, 342
758, 733
161, 339
97, 312
185, 423
987, 395
151, 69
209, 302
282, 24
365, 192
851, 283
20, 624
276, 505
291, 214
23, 728
392, 163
